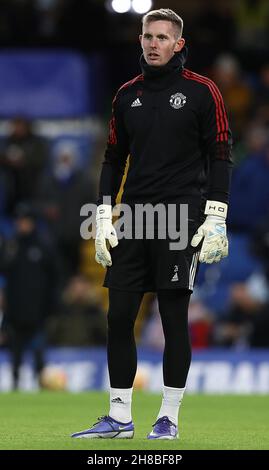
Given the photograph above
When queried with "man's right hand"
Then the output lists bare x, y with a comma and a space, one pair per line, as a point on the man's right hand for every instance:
104, 232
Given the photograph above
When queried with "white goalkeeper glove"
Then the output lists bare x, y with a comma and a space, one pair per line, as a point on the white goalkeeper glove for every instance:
213, 231
104, 232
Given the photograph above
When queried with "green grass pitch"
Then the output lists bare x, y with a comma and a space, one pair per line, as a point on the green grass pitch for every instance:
45, 420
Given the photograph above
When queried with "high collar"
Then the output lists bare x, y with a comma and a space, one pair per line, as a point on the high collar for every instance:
160, 77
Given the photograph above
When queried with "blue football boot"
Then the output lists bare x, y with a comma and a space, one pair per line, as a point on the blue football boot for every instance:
107, 428
163, 429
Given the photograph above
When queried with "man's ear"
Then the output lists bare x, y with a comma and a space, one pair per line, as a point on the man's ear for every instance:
140, 39
179, 45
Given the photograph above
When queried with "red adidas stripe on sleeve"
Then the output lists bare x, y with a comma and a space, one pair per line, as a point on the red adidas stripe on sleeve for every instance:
221, 115
112, 139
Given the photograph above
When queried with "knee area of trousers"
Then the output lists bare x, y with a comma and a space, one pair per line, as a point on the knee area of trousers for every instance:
119, 323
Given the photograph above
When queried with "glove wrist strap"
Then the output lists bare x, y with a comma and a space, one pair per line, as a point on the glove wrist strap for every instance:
216, 208
104, 211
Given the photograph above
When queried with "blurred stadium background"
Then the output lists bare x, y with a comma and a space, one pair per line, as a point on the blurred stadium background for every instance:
61, 62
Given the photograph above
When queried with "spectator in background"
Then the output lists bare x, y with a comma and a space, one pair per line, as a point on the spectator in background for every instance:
63, 191
200, 325
260, 246
252, 17
81, 321
236, 92
262, 96
250, 183
22, 161
152, 333
30, 269
3, 338
204, 34
18, 22
246, 323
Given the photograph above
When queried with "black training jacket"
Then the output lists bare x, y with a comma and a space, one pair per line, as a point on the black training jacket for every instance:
173, 124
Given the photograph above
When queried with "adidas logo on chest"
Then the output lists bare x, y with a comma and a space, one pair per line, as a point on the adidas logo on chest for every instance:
136, 103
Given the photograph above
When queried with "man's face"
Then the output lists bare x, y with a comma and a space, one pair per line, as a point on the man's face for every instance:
159, 42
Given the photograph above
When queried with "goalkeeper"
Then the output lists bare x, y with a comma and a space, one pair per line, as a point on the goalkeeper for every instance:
173, 124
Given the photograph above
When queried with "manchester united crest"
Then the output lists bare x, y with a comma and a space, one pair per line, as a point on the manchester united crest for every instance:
178, 100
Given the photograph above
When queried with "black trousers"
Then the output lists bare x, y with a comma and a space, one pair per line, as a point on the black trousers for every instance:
20, 341
121, 348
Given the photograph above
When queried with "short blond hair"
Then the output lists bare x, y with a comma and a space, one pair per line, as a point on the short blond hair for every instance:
164, 14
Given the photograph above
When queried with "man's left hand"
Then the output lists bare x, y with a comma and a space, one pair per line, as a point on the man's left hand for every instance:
213, 232
215, 244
